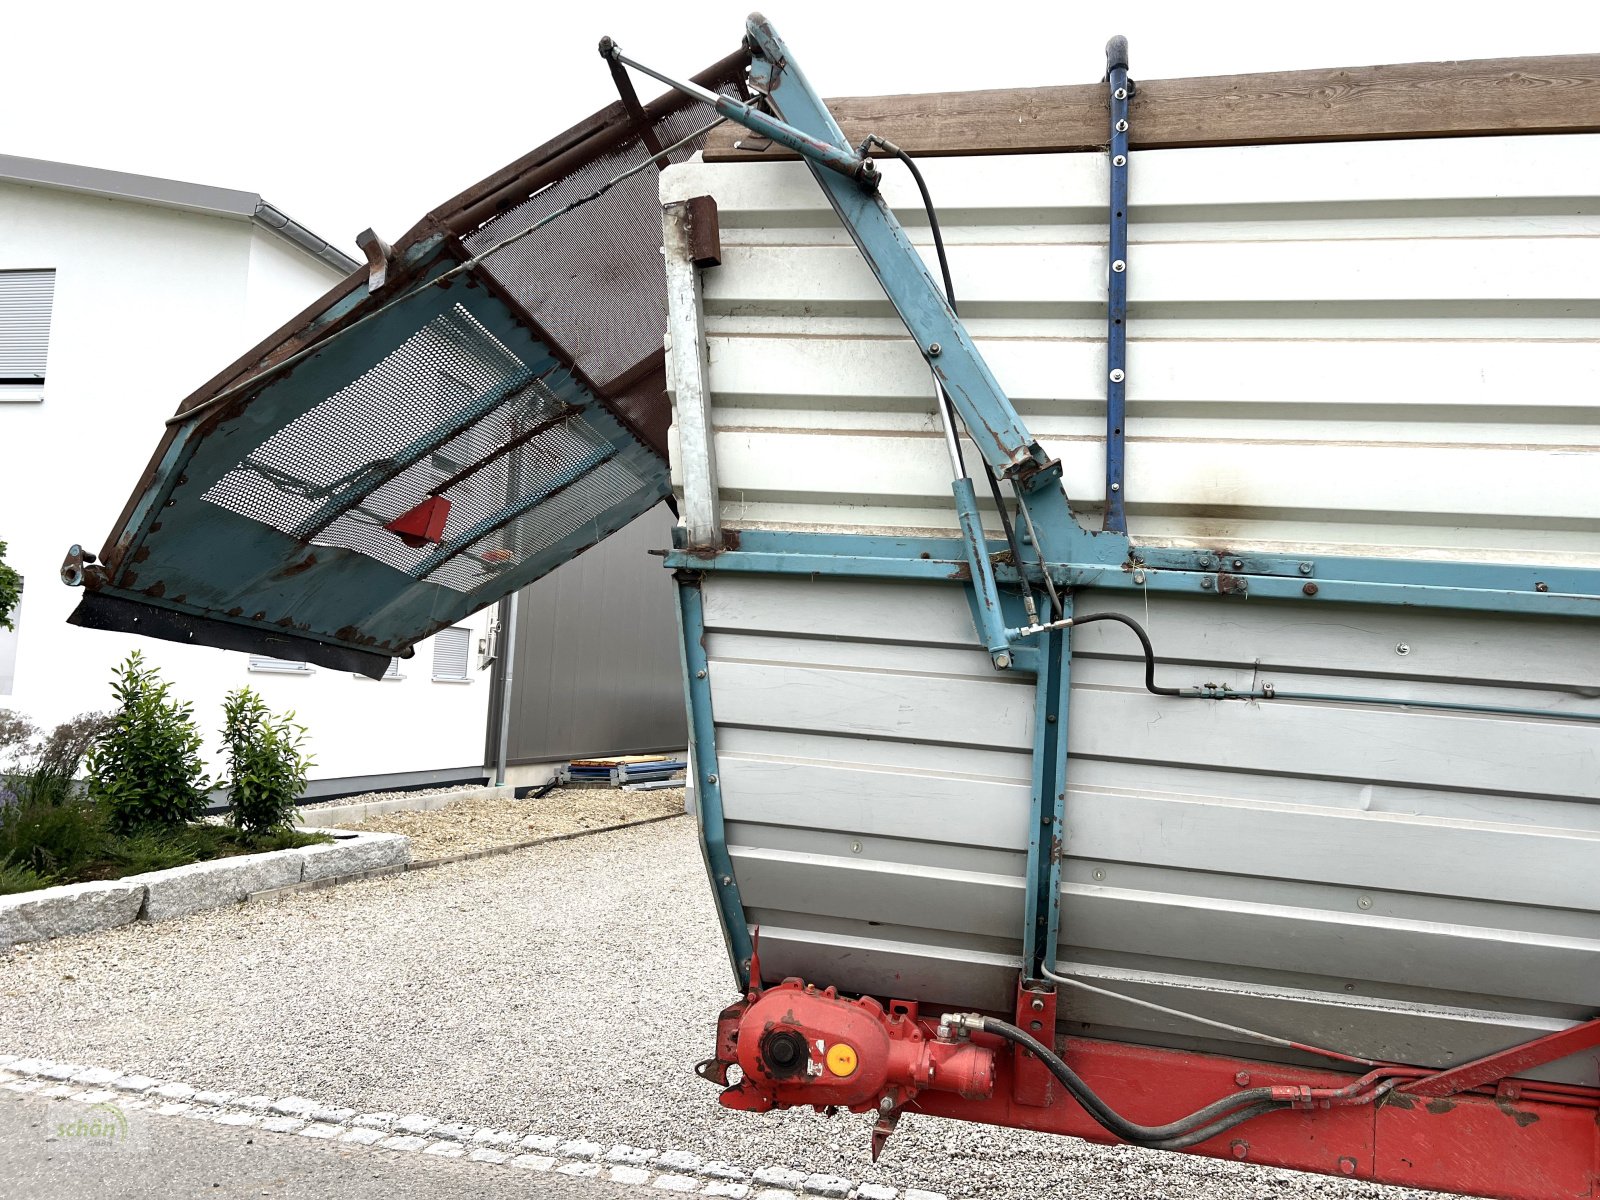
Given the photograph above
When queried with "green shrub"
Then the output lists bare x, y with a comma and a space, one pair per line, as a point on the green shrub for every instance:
10, 590
266, 765
15, 878
146, 769
48, 837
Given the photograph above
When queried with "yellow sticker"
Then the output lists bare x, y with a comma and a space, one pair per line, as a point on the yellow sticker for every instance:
842, 1059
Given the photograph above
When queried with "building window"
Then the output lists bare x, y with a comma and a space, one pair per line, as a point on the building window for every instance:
392, 672
278, 666
26, 298
450, 647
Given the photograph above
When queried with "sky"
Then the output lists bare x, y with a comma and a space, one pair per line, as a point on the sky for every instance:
350, 113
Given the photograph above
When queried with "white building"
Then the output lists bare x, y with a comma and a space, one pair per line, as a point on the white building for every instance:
120, 294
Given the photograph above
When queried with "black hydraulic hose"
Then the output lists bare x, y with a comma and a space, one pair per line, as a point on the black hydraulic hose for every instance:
950, 299
1216, 1117
1144, 640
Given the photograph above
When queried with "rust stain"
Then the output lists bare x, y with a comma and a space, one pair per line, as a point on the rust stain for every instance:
235, 611
156, 590
1522, 1117
1440, 1107
305, 564
141, 554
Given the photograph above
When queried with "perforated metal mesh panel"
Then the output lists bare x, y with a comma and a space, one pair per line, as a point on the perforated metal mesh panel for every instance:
526, 390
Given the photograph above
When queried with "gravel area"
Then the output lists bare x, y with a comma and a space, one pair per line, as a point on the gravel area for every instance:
369, 797
567, 989
469, 825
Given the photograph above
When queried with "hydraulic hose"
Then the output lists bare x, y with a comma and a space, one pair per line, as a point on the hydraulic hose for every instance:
1144, 641
1216, 1117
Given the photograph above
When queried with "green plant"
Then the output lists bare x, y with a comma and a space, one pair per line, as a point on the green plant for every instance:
266, 763
17, 878
146, 769
40, 834
10, 590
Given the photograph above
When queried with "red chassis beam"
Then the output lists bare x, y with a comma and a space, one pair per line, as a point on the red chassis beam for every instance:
1489, 1136
1471, 1144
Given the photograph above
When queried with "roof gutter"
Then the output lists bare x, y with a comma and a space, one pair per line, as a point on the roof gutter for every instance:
284, 226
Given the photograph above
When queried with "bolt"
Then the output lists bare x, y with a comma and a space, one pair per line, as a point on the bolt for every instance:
1364, 902
1347, 1165
886, 1105
1402, 649
1099, 873
1122, 127
1050, 719
1305, 568
1310, 589
1118, 376
1205, 561
1120, 160
1121, 93
727, 881
1541, 587
1240, 1149
711, 778
855, 847
1116, 487
1238, 564
739, 145
1242, 1078
1207, 583
934, 349
1119, 266
1002, 661
699, 674
1138, 576
1037, 1005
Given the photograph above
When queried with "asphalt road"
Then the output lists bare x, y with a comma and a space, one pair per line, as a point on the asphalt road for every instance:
169, 1157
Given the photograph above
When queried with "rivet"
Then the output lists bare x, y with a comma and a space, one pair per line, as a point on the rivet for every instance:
1238, 564
1240, 1149
934, 349
1364, 902
1207, 583
1099, 873
1310, 589
699, 674
1120, 266
1122, 127
1402, 649
1118, 375
1120, 160
855, 847
711, 778
1347, 1165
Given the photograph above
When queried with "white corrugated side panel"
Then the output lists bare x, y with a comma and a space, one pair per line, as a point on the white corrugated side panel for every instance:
1378, 348
1384, 348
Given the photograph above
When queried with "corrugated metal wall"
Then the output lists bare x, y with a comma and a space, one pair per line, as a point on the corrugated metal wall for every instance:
597, 661
1380, 348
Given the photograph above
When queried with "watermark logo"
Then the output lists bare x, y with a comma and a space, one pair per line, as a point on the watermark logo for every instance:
102, 1128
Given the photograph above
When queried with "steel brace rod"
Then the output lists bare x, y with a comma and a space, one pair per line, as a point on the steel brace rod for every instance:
1120, 89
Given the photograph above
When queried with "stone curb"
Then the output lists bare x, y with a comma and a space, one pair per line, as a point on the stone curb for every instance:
74, 908
325, 815
466, 856
664, 1171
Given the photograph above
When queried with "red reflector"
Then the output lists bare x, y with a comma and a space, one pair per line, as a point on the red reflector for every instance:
423, 524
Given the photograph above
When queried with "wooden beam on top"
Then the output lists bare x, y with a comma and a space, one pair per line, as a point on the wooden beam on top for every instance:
1555, 94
